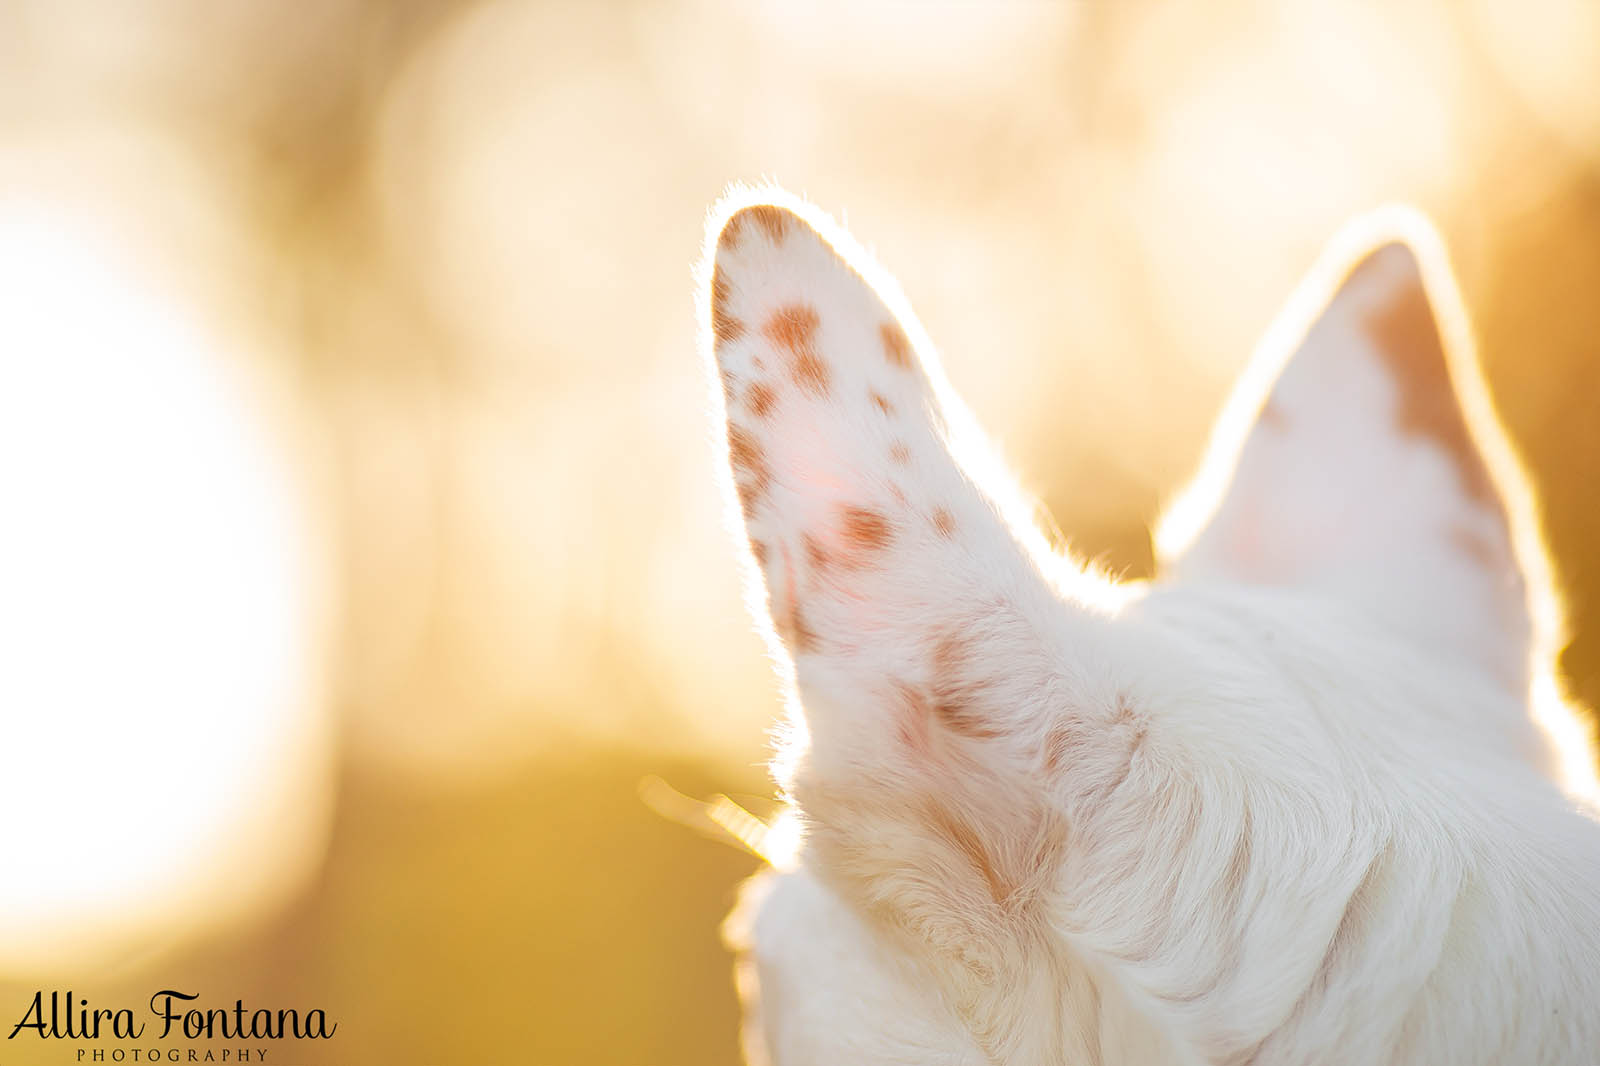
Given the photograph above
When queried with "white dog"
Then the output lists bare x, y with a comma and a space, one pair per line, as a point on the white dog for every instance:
1309, 797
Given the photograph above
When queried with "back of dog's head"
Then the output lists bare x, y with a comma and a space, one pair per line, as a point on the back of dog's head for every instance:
1268, 805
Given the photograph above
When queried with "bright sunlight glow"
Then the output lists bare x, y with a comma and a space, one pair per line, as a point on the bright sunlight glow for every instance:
164, 761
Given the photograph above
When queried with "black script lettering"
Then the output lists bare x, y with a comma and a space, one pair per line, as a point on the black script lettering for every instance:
165, 1010
35, 1012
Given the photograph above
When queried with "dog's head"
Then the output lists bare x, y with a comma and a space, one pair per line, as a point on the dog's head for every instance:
1046, 818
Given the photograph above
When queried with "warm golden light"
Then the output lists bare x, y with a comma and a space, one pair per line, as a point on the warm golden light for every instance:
1190, 509
452, 246
166, 750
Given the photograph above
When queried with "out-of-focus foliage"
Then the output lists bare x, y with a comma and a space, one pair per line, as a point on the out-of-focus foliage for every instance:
458, 238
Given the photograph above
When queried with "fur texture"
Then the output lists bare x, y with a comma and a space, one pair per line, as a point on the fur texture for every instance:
1288, 803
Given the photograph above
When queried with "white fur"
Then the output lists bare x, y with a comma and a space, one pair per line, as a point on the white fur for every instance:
1284, 805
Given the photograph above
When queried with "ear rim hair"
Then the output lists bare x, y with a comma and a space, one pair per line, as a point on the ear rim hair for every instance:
1193, 507
978, 456
1023, 515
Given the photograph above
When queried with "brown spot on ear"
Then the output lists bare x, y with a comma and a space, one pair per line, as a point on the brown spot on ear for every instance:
794, 329
751, 475
899, 453
723, 325
816, 554
759, 550
773, 221
896, 345
1407, 340
761, 399
944, 523
866, 530
744, 451
954, 690
948, 654
788, 616
881, 403
795, 631
750, 493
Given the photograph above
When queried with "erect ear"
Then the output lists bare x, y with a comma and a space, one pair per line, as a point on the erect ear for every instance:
883, 532
1360, 456
927, 639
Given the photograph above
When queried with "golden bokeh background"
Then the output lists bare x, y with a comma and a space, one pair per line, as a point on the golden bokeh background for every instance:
361, 550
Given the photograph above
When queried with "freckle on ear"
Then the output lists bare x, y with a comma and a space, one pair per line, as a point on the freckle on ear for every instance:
896, 346
794, 329
771, 221
751, 475
744, 450
774, 221
799, 634
816, 554
866, 529
1403, 333
724, 326
749, 497
761, 399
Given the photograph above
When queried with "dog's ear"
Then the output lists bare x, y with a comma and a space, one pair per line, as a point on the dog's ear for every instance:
1361, 457
933, 650
885, 534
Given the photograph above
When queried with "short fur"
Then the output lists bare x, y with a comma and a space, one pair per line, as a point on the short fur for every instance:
1303, 798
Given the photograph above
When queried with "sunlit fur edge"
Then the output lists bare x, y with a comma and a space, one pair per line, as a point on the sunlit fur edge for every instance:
1194, 506
971, 448
974, 451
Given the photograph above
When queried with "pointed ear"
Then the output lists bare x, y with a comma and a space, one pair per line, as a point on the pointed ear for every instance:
879, 524
1362, 457
927, 640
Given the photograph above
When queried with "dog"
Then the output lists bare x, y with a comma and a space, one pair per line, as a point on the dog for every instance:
1310, 795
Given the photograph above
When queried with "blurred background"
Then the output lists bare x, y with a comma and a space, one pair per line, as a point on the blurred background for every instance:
360, 547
